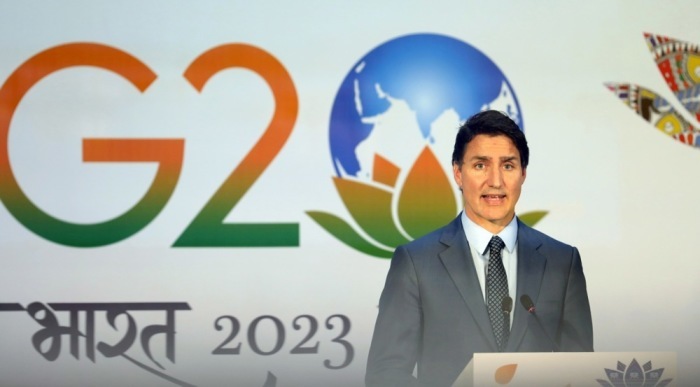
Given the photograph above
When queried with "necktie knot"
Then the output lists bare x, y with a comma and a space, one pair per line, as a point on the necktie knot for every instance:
496, 244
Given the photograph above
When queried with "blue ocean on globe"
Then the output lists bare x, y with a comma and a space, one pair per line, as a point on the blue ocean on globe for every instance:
431, 74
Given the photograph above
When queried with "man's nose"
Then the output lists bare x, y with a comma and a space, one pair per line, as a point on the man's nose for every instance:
495, 178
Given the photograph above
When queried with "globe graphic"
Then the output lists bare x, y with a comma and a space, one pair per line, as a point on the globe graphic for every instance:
410, 92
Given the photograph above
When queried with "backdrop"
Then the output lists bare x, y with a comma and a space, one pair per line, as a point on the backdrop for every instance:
206, 193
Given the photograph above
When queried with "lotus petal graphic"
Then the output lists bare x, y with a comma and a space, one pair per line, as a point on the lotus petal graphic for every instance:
271, 380
388, 215
634, 375
504, 374
679, 64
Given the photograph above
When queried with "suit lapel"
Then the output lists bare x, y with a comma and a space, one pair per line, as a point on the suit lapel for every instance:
531, 265
458, 261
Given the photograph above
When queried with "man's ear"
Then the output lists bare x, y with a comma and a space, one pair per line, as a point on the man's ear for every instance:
457, 174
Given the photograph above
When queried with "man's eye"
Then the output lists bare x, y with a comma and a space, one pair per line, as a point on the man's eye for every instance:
479, 166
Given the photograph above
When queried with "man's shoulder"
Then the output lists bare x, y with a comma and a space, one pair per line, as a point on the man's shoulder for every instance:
542, 239
435, 240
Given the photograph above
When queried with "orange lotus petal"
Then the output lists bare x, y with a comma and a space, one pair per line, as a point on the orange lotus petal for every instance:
504, 374
427, 200
385, 172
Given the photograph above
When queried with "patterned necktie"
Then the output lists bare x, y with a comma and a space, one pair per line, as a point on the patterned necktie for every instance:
496, 291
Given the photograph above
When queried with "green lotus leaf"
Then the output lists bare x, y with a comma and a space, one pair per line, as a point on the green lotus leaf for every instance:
370, 207
532, 218
427, 200
346, 234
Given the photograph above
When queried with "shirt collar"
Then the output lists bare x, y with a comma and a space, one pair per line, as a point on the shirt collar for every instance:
479, 238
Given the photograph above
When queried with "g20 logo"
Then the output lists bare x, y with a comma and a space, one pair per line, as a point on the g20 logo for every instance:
207, 228
396, 109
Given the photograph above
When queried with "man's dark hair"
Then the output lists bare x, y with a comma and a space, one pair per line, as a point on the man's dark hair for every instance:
490, 123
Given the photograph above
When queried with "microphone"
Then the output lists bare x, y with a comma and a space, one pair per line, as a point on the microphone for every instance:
506, 306
527, 303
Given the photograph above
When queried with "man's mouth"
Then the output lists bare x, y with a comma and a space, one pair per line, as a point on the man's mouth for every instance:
493, 199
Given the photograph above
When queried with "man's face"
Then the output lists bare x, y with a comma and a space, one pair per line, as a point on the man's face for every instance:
491, 177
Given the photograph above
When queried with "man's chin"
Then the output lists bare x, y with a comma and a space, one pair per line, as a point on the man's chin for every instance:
499, 219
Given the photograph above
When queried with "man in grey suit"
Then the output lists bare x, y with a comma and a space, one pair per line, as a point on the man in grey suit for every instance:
449, 294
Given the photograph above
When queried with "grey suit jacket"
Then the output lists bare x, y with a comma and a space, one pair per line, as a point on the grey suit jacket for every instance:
432, 313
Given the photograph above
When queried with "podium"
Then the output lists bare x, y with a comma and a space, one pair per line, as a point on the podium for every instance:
572, 369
